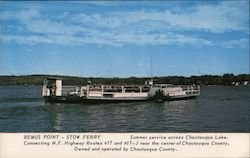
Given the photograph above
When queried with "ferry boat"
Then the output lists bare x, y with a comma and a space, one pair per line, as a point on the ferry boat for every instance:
169, 92
53, 91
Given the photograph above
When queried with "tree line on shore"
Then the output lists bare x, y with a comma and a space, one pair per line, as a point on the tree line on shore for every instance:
226, 79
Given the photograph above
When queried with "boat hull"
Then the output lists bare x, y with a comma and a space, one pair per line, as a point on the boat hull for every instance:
162, 97
84, 100
64, 99
184, 97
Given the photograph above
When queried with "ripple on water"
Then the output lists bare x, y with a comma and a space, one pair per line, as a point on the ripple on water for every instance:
218, 109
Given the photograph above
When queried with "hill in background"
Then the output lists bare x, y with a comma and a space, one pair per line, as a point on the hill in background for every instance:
226, 79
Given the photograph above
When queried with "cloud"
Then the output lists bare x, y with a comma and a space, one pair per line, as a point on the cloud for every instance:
242, 43
98, 20
215, 18
108, 39
22, 15
118, 28
50, 27
26, 39
226, 16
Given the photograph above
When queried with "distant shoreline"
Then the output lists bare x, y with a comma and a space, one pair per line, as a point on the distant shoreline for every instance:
226, 79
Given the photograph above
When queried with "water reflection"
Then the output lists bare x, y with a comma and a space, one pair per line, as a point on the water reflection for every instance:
55, 116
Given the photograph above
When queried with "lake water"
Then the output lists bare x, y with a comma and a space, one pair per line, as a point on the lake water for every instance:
217, 109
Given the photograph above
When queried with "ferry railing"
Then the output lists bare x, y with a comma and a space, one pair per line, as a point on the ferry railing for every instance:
191, 89
70, 90
66, 90
119, 88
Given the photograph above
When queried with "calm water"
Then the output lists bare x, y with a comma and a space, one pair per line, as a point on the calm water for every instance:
218, 109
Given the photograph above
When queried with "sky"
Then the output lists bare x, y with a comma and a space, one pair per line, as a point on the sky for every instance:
121, 38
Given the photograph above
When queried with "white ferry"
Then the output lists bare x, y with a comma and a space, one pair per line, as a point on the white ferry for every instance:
53, 91
174, 92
